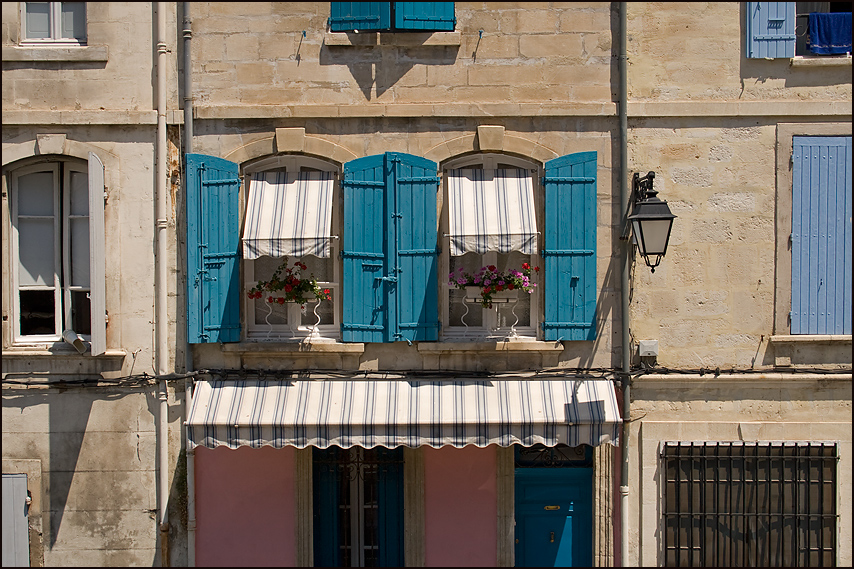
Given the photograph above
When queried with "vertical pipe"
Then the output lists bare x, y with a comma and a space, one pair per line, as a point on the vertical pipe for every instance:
190, 455
624, 290
161, 320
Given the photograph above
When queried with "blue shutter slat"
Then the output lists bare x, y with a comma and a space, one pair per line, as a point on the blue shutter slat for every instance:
821, 235
426, 16
359, 16
570, 247
770, 30
213, 296
415, 297
364, 261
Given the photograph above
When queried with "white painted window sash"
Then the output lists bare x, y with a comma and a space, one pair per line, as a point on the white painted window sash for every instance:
60, 30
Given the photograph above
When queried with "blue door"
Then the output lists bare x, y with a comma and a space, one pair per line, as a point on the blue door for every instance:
554, 517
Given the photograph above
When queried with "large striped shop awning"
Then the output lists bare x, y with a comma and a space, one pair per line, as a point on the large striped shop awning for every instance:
288, 213
491, 210
392, 413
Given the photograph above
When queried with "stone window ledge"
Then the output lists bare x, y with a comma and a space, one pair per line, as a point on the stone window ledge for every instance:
821, 61
57, 351
489, 347
43, 53
272, 348
811, 338
408, 39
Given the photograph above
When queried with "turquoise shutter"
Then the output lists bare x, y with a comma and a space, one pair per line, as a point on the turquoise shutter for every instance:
770, 30
821, 235
213, 225
570, 248
359, 16
426, 16
414, 301
390, 507
327, 552
366, 273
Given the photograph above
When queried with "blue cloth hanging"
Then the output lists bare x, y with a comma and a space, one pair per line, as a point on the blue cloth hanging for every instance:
830, 33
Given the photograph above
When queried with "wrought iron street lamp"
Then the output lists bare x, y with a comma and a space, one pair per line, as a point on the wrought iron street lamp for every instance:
651, 220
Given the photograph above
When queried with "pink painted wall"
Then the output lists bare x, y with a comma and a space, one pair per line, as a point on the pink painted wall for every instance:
461, 518
245, 507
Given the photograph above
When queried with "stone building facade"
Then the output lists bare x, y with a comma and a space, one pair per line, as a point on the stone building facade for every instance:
529, 87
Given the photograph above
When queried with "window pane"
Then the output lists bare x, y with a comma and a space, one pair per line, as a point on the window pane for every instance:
81, 312
457, 315
522, 309
321, 268
79, 235
267, 313
35, 194
38, 312
79, 193
74, 20
35, 252
37, 20
324, 310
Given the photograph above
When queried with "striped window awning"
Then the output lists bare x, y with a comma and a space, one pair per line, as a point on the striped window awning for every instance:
393, 413
288, 214
491, 210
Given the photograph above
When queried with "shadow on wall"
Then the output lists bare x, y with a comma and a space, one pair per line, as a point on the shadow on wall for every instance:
377, 68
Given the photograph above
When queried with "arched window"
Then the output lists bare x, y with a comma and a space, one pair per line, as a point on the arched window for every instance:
56, 246
280, 176
477, 183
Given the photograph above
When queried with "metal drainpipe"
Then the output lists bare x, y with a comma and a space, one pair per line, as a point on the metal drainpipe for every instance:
624, 290
190, 454
160, 283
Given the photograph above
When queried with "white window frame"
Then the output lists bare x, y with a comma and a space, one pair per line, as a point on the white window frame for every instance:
55, 25
496, 322
62, 252
296, 329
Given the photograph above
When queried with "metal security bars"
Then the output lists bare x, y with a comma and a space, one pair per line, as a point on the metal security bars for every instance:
749, 504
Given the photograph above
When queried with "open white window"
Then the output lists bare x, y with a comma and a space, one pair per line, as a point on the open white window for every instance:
490, 217
54, 22
292, 216
58, 252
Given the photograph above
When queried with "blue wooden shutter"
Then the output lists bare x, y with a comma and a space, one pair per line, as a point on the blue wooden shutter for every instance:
213, 226
390, 507
359, 16
821, 235
570, 247
770, 29
427, 16
325, 474
366, 271
414, 301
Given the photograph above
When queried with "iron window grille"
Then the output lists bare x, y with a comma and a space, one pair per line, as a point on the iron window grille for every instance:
749, 504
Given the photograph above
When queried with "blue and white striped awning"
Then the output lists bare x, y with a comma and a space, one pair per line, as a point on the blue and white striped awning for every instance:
393, 413
288, 214
491, 210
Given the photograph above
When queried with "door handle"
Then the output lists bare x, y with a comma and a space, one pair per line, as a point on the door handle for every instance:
552, 537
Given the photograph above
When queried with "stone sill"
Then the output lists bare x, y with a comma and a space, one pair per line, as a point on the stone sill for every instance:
408, 39
44, 53
291, 348
65, 352
488, 347
811, 339
821, 61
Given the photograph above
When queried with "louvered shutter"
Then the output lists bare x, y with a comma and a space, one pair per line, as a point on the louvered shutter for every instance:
97, 256
414, 301
821, 235
427, 16
359, 16
213, 244
770, 30
366, 271
390, 506
570, 248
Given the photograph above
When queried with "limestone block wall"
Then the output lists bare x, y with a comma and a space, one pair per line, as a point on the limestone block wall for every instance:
113, 71
699, 55
540, 52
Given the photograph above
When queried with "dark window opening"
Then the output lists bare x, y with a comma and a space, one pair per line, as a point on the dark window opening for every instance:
802, 23
750, 504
